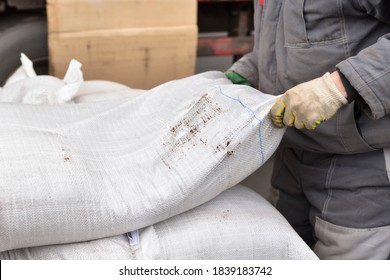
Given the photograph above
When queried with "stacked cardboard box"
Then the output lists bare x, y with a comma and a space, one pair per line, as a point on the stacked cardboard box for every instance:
140, 43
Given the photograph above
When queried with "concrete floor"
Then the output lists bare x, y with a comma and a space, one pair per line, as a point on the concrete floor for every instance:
260, 179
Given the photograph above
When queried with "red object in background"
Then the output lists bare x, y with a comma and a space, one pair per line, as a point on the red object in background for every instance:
224, 46
233, 17
261, 2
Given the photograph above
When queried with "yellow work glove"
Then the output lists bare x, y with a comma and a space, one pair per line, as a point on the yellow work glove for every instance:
308, 104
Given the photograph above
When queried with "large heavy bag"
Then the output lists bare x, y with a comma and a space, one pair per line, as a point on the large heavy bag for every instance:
237, 224
26, 87
80, 172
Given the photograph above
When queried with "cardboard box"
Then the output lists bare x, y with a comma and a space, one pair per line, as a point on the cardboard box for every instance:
77, 15
138, 57
140, 43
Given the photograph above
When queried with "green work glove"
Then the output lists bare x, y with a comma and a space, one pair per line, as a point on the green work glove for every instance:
237, 78
308, 104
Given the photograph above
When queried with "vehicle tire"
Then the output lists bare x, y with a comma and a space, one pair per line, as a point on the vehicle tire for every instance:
22, 32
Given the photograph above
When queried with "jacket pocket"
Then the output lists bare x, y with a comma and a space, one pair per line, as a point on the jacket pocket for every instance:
310, 23
294, 24
338, 135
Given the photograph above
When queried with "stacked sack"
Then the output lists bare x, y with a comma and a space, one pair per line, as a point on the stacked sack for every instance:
237, 224
160, 164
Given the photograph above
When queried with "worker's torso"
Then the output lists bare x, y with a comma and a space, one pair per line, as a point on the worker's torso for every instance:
298, 40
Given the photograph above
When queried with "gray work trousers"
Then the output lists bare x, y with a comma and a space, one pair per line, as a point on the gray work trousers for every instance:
339, 204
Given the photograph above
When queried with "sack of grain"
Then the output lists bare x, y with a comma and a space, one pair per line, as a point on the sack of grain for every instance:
26, 87
237, 224
79, 172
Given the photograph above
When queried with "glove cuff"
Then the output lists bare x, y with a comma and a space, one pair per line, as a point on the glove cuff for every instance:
335, 95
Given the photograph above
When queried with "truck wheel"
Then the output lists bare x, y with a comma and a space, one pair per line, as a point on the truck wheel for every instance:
25, 33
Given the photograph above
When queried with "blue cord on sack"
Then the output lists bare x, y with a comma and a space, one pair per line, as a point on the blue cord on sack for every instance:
253, 114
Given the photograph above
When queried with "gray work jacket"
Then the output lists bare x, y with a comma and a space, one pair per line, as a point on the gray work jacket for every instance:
299, 40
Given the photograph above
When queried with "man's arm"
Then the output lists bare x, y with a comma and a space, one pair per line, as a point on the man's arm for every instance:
369, 71
369, 74
364, 77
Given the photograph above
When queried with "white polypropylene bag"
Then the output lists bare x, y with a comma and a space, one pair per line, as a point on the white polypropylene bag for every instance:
237, 224
99, 90
86, 171
24, 86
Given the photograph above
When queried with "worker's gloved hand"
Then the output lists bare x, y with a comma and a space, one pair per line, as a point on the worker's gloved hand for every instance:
308, 104
236, 78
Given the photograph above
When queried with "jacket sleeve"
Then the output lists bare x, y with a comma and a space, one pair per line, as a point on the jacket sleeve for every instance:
369, 71
247, 68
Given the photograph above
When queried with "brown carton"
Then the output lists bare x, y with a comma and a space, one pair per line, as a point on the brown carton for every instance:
140, 43
137, 57
77, 15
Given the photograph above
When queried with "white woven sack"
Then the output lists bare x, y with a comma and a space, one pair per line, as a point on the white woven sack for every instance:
24, 86
237, 224
86, 171
99, 90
